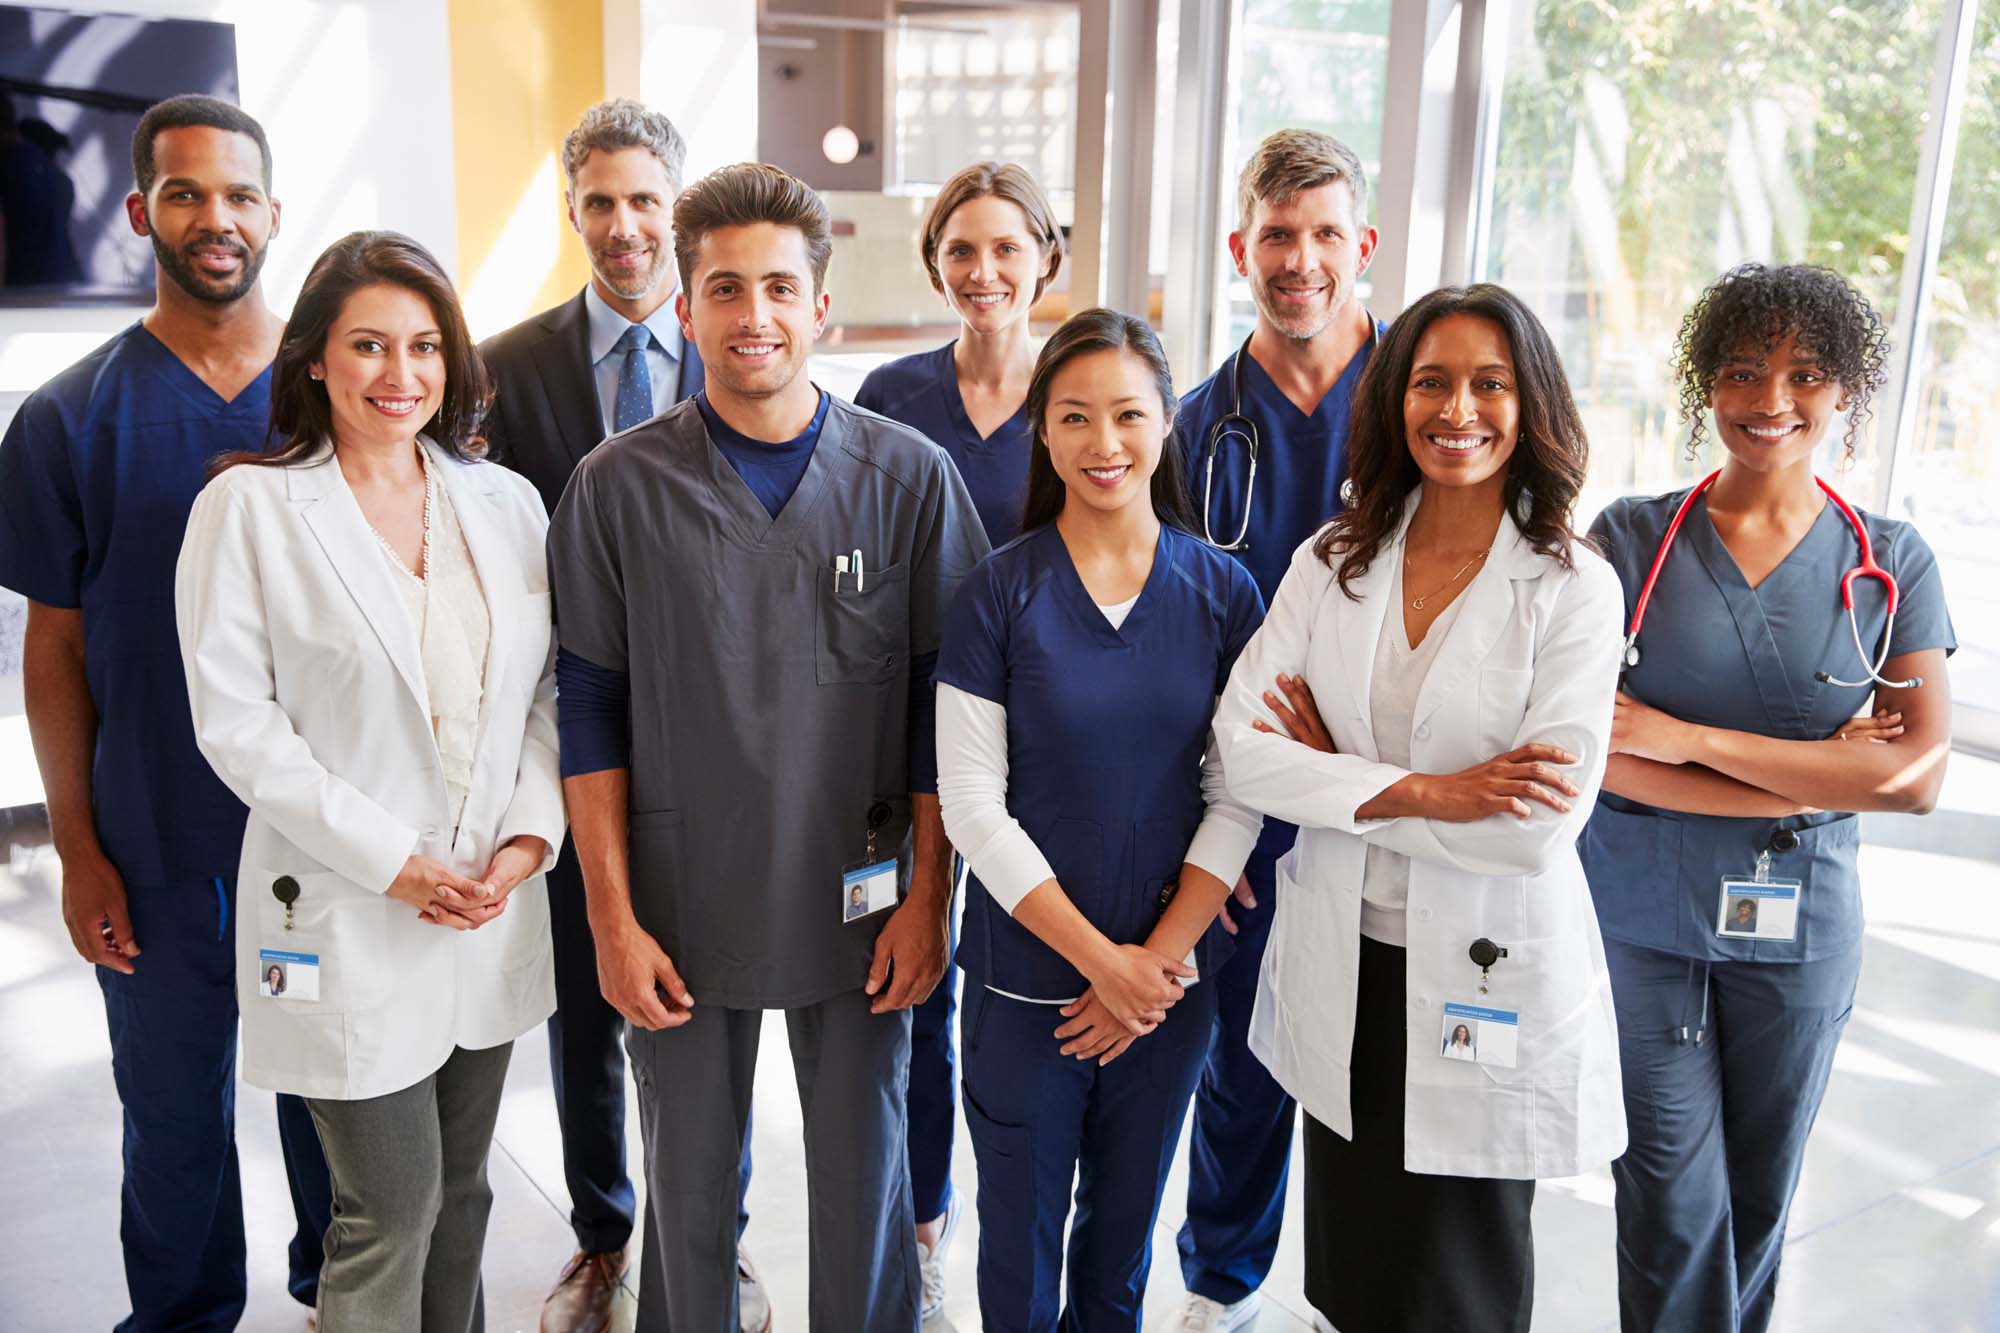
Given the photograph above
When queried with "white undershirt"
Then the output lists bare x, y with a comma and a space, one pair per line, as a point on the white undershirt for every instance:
1392, 704
972, 788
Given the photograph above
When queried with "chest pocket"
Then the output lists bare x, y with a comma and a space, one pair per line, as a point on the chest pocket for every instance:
863, 633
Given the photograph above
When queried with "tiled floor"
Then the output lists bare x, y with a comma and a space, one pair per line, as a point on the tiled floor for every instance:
1896, 1227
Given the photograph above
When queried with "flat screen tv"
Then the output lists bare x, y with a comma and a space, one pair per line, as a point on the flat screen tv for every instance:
72, 88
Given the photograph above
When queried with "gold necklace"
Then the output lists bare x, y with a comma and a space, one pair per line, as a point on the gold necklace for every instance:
1418, 604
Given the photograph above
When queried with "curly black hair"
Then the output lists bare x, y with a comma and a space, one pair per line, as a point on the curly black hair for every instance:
1754, 307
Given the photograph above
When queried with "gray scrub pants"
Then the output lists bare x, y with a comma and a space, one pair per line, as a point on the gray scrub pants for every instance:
1718, 1127
410, 1200
694, 1104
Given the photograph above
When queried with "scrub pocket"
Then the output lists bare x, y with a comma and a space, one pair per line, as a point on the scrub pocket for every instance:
863, 632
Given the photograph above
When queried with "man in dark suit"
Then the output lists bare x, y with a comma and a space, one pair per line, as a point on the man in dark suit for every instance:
601, 362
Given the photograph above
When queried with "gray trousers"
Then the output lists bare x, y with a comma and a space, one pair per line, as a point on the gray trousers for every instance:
1718, 1128
694, 1104
410, 1201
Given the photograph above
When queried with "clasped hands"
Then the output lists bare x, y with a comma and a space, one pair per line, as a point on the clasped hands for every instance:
446, 898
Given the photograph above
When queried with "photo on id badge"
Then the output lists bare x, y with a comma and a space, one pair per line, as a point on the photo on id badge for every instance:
1480, 1035
867, 889
285, 975
1758, 909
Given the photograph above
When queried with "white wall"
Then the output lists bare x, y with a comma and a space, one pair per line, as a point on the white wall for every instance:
356, 98
696, 62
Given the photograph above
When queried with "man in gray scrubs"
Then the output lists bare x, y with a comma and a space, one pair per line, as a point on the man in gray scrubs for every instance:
749, 589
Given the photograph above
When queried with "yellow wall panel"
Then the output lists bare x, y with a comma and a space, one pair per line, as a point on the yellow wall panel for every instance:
522, 72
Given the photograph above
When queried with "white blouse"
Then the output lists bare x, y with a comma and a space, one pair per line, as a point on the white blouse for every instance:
447, 607
1392, 706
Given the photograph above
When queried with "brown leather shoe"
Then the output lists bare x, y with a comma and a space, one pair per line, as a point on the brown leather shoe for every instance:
581, 1302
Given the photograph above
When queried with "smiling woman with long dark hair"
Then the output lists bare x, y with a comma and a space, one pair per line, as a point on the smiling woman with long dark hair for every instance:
364, 619
1077, 677
1429, 700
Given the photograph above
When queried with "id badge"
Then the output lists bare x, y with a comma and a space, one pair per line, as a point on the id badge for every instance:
1477, 1034
286, 975
1758, 909
867, 888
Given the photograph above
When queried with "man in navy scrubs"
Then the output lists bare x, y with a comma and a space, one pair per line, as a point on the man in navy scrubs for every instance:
1303, 242
97, 472
603, 361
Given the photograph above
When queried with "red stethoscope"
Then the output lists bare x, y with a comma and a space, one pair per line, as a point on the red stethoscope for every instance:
1866, 569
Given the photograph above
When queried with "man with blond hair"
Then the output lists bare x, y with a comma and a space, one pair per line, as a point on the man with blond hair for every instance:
749, 589
1302, 239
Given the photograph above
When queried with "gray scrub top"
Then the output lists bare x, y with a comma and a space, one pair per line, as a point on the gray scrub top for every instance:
769, 707
1717, 652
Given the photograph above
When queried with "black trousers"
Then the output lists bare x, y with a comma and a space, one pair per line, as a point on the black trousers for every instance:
1389, 1250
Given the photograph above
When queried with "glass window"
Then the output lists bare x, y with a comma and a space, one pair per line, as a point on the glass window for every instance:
1303, 64
1000, 86
1948, 477
1644, 148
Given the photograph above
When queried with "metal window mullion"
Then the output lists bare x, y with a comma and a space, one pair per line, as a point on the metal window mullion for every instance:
1911, 333
1202, 181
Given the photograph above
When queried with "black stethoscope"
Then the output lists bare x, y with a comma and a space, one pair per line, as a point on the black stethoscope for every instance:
1234, 425
1866, 569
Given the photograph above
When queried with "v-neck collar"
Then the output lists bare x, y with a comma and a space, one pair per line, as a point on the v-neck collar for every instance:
1086, 609
184, 378
1785, 689
1260, 387
757, 525
1715, 551
954, 403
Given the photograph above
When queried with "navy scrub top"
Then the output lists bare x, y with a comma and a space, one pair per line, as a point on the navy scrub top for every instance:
1301, 465
1105, 732
98, 471
1717, 652
921, 391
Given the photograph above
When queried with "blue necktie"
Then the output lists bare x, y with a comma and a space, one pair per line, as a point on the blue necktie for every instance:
635, 382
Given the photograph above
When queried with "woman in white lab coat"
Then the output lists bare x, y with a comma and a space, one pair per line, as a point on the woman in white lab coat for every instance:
364, 621
1429, 699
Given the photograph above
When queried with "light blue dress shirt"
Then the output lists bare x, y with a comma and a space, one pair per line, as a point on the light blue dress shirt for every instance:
663, 358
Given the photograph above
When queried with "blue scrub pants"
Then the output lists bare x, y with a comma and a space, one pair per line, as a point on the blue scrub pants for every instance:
587, 1071
933, 1076
1718, 1127
1040, 1119
1240, 1149
173, 1057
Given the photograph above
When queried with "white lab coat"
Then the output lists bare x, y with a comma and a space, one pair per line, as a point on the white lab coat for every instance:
309, 701
1532, 657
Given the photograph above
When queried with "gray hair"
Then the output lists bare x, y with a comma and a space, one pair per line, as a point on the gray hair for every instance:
1291, 162
620, 122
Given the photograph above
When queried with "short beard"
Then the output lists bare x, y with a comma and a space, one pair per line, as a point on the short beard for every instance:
644, 287
1290, 328
190, 279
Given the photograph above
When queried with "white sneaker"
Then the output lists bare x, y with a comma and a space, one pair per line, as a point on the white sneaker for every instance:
753, 1303
930, 1259
1202, 1315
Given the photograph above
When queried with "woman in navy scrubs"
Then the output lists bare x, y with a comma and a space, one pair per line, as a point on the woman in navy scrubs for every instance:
991, 247
1734, 761
1076, 682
